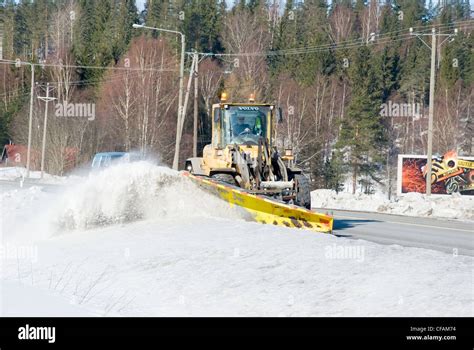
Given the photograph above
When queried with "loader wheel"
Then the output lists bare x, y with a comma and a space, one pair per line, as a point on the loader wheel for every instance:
303, 192
226, 178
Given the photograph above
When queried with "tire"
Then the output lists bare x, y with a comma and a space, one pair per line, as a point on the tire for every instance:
226, 178
303, 191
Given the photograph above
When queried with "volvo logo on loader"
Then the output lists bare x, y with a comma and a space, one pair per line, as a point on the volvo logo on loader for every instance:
248, 108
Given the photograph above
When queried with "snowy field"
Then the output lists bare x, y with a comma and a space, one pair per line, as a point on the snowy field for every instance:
454, 206
139, 240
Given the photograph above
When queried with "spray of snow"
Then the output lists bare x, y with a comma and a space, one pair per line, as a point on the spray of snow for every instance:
131, 192
119, 194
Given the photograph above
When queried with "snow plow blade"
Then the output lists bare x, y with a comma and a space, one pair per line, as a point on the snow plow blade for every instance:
263, 209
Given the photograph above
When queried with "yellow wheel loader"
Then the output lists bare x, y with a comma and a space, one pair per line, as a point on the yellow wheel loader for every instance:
244, 166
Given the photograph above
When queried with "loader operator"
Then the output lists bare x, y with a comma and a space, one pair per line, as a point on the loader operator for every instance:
241, 127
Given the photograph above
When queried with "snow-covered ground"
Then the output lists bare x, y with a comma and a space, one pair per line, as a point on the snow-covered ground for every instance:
139, 240
454, 206
24, 300
19, 173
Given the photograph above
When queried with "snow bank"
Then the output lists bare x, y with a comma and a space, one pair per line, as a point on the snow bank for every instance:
414, 204
18, 173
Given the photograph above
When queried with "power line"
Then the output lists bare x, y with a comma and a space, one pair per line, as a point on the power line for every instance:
353, 43
114, 77
88, 67
134, 72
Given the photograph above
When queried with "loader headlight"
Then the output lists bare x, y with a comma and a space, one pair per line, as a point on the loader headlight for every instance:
220, 152
288, 152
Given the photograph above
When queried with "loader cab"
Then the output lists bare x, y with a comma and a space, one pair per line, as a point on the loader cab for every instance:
241, 124
244, 125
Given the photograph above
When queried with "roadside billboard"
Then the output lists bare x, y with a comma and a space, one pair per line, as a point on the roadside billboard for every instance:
450, 174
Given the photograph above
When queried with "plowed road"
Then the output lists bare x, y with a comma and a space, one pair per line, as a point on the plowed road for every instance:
451, 236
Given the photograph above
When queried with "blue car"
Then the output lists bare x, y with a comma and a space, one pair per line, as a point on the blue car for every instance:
106, 159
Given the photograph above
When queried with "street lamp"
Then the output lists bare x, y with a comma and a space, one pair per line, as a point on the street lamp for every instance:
180, 96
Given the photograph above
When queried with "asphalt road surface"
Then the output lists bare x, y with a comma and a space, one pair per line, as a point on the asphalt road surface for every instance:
450, 236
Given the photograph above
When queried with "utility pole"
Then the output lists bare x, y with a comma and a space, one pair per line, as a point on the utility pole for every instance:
429, 155
186, 98
181, 112
195, 124
30, 121
430, 113
46, 99
1, 41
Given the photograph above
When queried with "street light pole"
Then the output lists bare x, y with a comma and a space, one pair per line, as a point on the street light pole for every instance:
196, 106
180, 95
